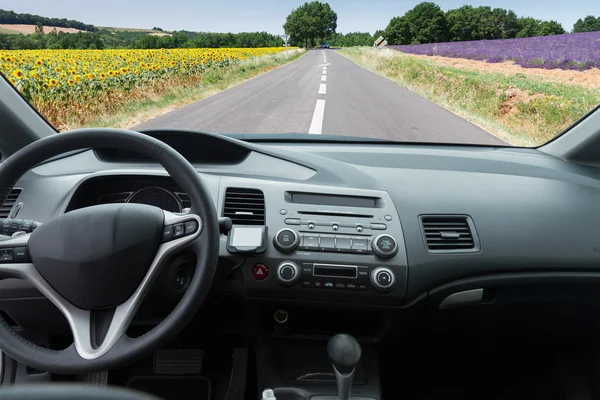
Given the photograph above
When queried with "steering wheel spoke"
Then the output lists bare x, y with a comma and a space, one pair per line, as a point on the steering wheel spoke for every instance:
95, 332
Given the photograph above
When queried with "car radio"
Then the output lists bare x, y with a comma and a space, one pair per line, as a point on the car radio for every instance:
288, 240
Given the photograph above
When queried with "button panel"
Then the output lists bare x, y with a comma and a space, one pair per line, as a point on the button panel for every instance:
337, 225
335, 243
176, 231
14, 255
308, 280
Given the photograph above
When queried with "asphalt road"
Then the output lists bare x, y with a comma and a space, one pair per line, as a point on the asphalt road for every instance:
324, 93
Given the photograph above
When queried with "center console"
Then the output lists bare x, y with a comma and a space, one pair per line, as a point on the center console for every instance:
332, 247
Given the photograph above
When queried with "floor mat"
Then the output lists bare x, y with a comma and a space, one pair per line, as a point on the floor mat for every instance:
173, 387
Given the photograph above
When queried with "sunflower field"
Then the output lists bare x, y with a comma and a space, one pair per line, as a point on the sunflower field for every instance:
97, 81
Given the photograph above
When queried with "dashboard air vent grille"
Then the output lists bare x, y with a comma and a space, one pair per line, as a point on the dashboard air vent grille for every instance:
449, 233
10, 202
245, 206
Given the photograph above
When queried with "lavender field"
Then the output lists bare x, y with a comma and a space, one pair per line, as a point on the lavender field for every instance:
576, 51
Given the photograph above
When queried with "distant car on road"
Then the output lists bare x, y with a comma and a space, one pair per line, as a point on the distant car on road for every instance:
325, 46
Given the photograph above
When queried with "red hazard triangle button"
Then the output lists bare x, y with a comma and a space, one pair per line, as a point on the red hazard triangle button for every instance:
260, 272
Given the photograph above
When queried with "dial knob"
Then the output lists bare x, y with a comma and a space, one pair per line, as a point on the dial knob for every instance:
385, 246
288, 273
383, 279
286, 240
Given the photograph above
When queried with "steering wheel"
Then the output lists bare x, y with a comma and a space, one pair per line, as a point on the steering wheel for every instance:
96, 264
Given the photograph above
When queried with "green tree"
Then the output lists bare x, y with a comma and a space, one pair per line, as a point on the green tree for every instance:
310, 21
39, 28
548, 28
588, 24
463, 24
425, 23
528, 27
398, 31
378, 33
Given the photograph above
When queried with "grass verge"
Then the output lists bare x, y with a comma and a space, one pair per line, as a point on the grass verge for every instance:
520, 109
125, 110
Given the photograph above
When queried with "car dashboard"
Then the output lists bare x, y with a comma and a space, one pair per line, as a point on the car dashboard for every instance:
355, 225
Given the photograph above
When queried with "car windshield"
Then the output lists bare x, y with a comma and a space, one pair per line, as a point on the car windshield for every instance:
483, 72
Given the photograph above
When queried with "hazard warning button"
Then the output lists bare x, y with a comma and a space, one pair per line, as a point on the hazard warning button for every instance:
260, 272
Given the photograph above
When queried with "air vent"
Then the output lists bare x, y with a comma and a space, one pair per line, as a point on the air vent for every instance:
114, 198
245, 206
185, 200
449, 233
10, 202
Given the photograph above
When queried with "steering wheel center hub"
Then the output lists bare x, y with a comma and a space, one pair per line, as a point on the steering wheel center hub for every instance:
97, 256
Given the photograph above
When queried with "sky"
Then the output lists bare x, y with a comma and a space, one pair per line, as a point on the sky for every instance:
269, 15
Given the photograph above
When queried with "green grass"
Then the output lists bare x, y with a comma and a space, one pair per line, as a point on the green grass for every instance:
140, 110
519, 108
8, 31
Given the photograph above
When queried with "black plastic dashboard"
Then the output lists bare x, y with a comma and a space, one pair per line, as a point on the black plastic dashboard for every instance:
364, 224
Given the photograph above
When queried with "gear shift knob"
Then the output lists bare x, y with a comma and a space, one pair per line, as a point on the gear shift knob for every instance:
344, 353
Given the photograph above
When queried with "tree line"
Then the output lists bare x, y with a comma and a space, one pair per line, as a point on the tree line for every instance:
428, 23
588, 24
103, 39
13, 18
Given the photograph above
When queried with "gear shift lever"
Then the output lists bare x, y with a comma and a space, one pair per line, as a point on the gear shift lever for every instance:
344, 353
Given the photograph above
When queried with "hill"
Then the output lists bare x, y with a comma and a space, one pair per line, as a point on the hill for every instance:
28, 29
152, 32
9, 17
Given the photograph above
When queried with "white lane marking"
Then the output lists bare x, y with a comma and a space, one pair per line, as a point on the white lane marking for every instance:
323, 78
324, 68
324, 57
316, 125
324, 72
323, 89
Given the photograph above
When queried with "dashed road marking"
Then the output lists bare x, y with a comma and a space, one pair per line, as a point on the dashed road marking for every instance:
316, 125
323, 88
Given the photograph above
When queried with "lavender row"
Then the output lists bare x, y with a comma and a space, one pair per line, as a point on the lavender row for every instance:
576, 51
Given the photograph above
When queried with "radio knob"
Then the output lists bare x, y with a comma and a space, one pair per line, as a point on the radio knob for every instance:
286, 240
385, 246
288, 273
383, 279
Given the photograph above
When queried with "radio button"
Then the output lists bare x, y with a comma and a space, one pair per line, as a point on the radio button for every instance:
327, 242
310, 242
286, 240
378, 227
385, 246
360, 245
351, 286
363, 286
342, 243
292, 221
